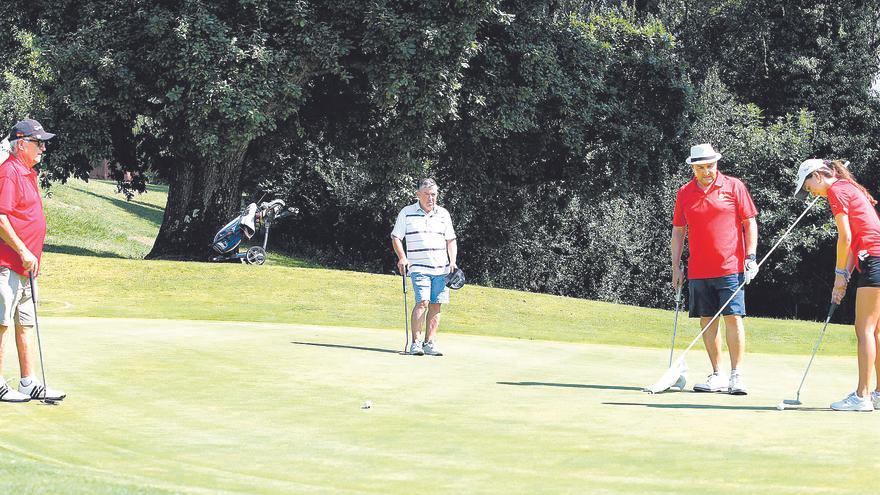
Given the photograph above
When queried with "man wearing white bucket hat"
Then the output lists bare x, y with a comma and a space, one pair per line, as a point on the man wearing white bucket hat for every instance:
717, 214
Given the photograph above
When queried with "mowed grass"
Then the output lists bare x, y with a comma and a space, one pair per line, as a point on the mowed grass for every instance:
202, 378
178, 406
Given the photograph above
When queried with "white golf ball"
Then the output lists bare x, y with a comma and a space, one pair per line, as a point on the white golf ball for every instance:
780, 406
367, 404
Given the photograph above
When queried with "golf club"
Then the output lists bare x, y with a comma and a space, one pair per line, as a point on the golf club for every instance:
44, 400
405, 312
675, 321
682, 378
797, 401
671, 376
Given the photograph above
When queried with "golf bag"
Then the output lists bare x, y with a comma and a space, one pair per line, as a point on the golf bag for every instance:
244, 226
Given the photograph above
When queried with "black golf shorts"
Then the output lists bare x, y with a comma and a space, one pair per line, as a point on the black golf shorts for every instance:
869, 272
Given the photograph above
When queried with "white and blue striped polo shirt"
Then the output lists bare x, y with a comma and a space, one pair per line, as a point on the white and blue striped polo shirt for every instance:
426, 235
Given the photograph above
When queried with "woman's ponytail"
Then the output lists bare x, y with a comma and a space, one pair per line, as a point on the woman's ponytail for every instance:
842, 172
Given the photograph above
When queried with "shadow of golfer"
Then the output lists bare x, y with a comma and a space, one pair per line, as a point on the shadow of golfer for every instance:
568, 385
340, 346
713, 406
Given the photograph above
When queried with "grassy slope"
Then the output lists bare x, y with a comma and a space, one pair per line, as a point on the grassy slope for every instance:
91, 219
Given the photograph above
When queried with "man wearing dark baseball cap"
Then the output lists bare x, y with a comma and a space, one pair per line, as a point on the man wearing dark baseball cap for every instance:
29, 128
22, 232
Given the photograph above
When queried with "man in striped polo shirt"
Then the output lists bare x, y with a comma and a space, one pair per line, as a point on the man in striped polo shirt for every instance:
430, 255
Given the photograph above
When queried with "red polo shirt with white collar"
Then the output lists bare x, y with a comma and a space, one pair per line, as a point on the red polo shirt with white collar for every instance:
714, 225
20, 201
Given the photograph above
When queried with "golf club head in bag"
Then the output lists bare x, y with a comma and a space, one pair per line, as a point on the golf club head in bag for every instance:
455, 279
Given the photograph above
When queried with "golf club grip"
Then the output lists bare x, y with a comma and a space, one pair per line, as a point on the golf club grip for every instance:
831, 310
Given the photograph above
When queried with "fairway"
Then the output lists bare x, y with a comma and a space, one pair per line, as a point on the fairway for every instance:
165, 406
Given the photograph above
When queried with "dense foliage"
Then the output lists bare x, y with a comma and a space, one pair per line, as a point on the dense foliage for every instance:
557, 130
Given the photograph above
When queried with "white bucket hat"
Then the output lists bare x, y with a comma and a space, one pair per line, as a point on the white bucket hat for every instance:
703, 153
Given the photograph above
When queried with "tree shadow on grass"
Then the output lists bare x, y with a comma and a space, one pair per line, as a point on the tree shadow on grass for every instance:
78, 251
714, 407
340, 346
148, 212
569, 385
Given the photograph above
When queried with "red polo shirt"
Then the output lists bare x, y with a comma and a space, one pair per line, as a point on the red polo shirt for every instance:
714, 224
20, 201
844, 197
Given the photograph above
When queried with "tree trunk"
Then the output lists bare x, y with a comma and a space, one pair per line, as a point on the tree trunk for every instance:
202, 197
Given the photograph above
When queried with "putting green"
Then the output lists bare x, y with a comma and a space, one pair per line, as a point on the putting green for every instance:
162, 406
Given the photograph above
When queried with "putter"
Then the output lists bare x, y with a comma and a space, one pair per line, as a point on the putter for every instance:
682, 379
44, 400
675, 321
797, 400
670, 376
405, 312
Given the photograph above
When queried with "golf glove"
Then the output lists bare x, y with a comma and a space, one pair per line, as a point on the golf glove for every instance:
750, 269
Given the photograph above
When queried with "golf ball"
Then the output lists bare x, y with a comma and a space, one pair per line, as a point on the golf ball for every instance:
780, 406
367, 404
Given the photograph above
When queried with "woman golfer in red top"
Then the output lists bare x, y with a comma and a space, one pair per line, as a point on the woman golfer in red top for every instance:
858, 244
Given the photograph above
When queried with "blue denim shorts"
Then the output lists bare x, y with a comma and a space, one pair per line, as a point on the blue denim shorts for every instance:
708, 294
430, 287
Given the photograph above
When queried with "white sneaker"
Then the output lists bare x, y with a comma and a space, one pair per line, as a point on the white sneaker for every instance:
431, 349
875, 398
853, 402
416, 348
36, 390
715, 383
736, 386
9, 395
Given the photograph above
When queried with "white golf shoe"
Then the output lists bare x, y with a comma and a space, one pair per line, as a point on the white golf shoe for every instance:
875, 398
416, 348
715, 383
9, 395
431, 349
36, 390
853, 402
736, 385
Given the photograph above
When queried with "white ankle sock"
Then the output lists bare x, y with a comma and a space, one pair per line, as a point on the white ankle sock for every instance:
26, 381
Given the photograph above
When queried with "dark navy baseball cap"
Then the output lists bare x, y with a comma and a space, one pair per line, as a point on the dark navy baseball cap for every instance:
29, 128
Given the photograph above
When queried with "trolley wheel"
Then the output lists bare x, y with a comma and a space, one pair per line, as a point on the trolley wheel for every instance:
256, 255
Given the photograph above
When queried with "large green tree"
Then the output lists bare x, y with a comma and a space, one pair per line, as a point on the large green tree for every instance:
186, 87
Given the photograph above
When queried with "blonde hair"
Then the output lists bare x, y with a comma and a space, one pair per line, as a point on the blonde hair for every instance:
838, 169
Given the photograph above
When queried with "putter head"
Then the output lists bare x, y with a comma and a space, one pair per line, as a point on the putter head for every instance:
792, 402
680, 383
670, 378
49, 402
